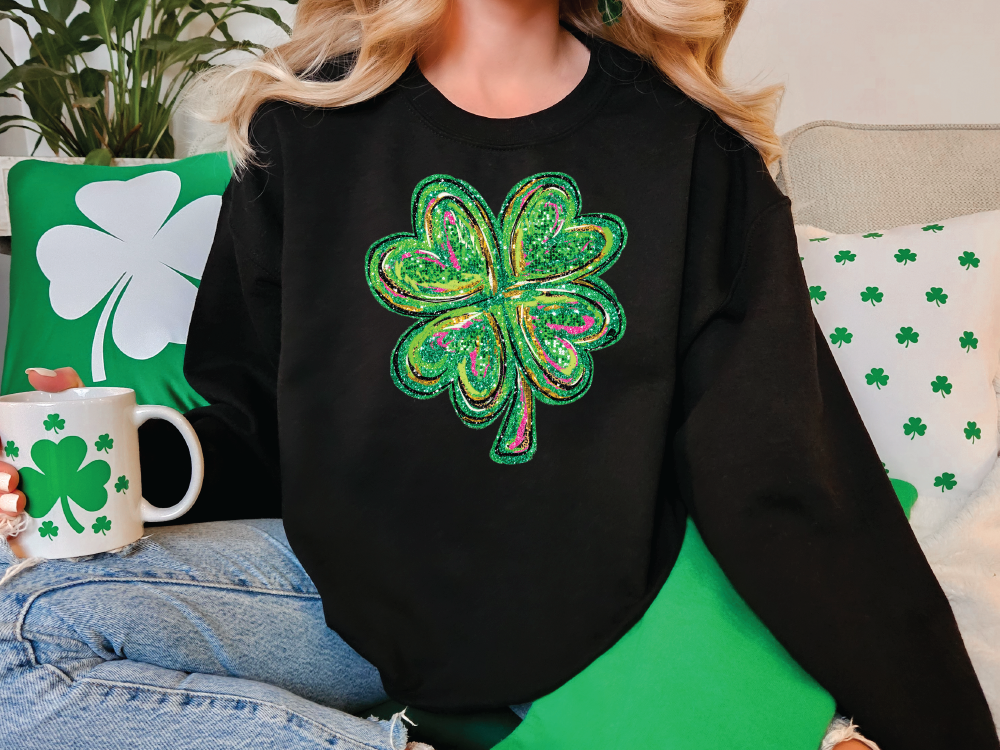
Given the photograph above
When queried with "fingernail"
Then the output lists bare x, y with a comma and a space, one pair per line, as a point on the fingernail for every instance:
43, 371
4, 481
9, 503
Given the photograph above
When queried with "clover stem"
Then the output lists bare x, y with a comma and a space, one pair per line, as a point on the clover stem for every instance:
70, 518
97, 372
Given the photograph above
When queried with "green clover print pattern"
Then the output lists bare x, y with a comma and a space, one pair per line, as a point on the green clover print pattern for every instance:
61, 477
509, 307
940, 292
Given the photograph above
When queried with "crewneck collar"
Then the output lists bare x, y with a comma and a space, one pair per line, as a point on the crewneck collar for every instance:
511, 132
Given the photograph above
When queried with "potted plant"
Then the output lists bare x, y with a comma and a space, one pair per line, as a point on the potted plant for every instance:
152, 50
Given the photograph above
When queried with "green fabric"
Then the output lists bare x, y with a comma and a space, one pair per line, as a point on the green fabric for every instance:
699, 671
116, 251
906, 493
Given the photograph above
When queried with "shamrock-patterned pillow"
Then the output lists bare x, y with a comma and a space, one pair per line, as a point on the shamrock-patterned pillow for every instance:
912, 317
105, 266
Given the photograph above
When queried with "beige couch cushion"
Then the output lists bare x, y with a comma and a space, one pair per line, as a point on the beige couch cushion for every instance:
850, 178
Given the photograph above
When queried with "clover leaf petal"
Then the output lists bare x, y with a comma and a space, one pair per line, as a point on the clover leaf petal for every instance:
59, 477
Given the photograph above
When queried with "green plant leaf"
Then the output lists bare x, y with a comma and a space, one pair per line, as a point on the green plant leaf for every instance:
25, 73
99, 157
82, 25
60, 8
272, 15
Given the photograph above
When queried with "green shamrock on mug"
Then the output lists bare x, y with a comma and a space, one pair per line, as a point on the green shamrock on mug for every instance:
60, 478
48, 529
54, 423
10, 450
122, 484
508, 307
101, 526
105, 443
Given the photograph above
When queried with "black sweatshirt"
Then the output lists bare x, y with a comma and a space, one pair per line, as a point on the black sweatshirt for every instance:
505, 359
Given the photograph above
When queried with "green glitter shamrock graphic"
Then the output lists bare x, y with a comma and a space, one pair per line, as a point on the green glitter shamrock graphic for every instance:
946, 481
122, 484
819, 239
914, 426
48, 529
816, 294
508, 307
104, 443
877, 378
101, 526
972, 432
905, 255
941, 385
933, 228
871, 294
968, 340
10, 450
844, 257
937, 296
59, 477
841, 336
54, 423
907, 336
871, 235
968, 260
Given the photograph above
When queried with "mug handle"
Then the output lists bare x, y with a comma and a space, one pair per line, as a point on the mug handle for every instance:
149, 512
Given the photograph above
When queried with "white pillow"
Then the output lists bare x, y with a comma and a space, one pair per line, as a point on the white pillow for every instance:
913, 318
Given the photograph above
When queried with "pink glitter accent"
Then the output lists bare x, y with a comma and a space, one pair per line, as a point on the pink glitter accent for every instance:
407, 255
440, 339
574, 329
432, 258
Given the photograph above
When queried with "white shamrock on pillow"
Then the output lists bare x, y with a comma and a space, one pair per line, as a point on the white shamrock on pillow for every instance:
145, 261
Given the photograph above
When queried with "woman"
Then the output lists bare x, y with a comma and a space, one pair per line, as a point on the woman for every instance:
568, 232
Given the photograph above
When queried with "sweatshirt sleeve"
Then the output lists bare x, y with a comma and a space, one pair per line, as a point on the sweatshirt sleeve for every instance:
782, 479
232, 357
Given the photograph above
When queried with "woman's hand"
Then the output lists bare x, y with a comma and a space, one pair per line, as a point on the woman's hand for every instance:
12, 500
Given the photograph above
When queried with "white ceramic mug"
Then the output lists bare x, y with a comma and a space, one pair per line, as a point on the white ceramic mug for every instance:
77, 453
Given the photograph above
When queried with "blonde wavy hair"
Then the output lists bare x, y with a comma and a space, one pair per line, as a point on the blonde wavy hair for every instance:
685, 39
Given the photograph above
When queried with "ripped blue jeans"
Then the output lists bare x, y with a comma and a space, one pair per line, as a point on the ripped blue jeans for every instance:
201, 636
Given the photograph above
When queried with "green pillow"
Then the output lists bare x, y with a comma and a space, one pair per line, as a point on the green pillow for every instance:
105, 266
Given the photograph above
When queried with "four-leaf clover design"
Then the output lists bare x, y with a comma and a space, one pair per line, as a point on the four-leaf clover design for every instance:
871, 294
905, 255
816, 294
973, 432
509, 307
906, 336
914, 426
946, 481
101, 525
60, 478
11, 450
48, 529
841, 336
968, 340
148, 259
933, 228
871, 235
941, 385
54, 423
844, 257
122, 484
104, 443
877, 378
969, 260
937, 296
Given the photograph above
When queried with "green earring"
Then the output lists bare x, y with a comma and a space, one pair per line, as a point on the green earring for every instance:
611, 11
